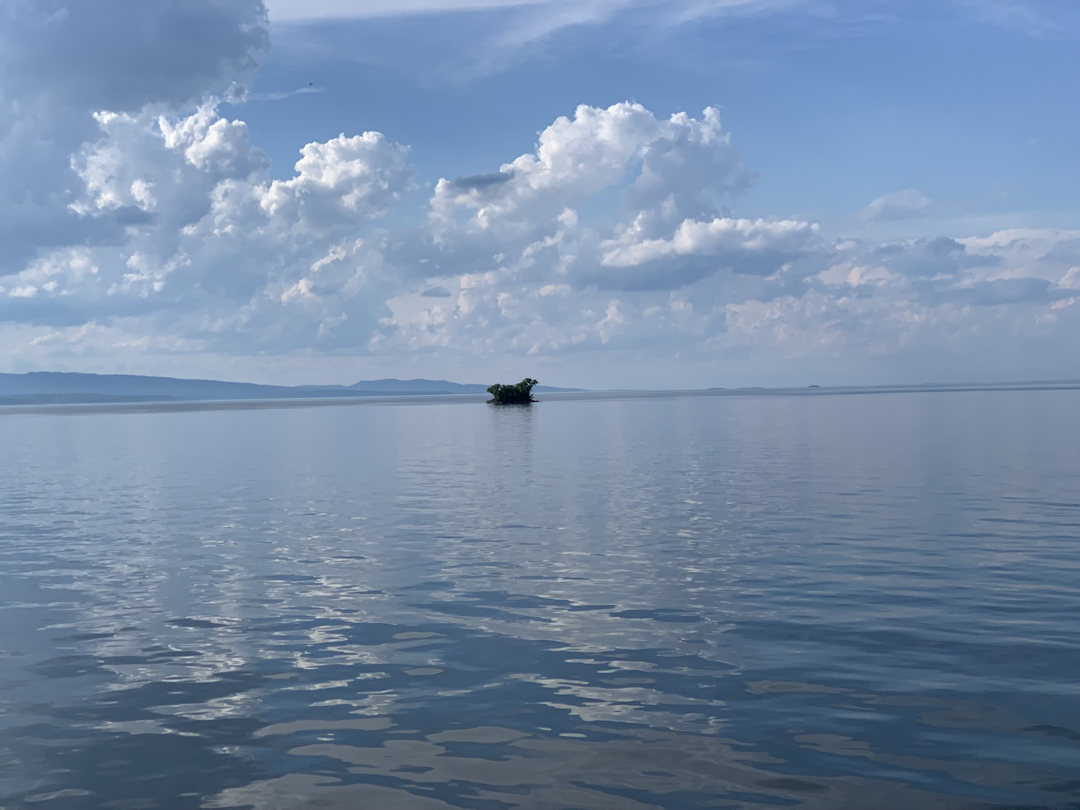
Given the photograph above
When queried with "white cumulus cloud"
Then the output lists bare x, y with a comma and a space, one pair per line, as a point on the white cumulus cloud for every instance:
141, 222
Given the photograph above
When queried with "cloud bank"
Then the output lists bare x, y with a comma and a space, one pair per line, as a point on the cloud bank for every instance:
142, 223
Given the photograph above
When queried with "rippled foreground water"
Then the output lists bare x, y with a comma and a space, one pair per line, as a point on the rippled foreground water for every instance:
837, 602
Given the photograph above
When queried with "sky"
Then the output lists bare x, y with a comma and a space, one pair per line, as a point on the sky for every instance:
600, 193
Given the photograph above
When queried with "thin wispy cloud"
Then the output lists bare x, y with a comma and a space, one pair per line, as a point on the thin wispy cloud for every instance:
281, 95
291, 10
1059, 19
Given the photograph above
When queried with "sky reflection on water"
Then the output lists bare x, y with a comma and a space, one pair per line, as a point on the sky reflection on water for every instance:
861, 601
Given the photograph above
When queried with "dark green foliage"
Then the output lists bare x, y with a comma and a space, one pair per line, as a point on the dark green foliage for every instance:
513, 394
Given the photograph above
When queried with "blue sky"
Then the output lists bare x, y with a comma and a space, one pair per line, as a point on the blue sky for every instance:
740, 192
966, 108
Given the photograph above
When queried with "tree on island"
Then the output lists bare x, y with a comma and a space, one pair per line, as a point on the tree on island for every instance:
520, 394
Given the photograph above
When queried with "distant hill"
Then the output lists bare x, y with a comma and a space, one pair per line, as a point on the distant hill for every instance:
58, 387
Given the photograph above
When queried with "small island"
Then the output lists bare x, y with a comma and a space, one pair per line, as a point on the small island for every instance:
520, 394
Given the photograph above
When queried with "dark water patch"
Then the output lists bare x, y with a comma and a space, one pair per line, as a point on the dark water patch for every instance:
427, 587
794, 785
579, 608
671, 616
68, 666
83, 637
1055, 731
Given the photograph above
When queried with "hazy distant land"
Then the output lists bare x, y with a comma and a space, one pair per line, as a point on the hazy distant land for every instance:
51, 387
65, 388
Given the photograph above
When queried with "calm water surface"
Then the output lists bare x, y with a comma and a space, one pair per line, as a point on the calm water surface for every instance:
841, 602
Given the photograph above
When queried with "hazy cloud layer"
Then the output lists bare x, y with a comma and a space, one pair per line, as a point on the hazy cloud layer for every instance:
140, 221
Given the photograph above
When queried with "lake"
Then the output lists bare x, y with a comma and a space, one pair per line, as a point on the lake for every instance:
859, 601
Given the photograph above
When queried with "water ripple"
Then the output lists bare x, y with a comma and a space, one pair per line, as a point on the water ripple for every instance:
837, 602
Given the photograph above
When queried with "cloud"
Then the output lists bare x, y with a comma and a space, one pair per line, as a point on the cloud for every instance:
500, 29
1053, 19
118, 55
1071, 279
243, 95
286, 10
60, 63
206, 253
211, 246
1003, 291
140, 221
758, 247
905, 204
560, 12
673, 174
835, 300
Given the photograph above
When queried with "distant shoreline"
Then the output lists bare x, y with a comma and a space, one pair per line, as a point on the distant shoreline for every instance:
174, 405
